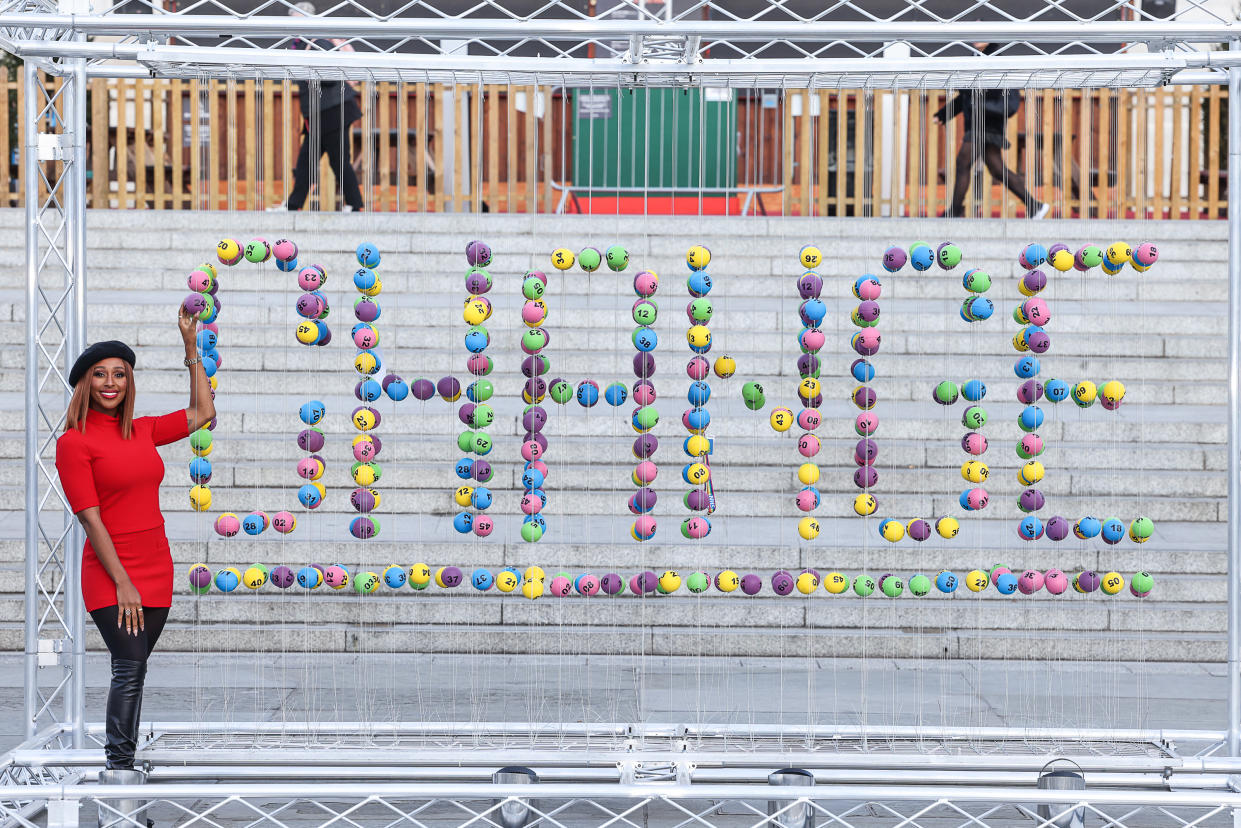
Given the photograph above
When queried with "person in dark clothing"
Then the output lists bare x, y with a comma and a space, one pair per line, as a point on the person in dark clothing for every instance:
998, 105
336, 108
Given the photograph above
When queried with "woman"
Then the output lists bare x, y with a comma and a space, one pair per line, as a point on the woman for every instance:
111, 472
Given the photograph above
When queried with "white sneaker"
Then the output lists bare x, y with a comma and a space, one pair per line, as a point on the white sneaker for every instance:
278, 208
1042, 211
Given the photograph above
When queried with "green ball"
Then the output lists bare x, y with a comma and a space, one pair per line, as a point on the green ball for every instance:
645, 312
752, 394
484, 416
200, 439
684, 530
1092, 256
1142, 527
916, 245
465, 441
480, 445
481, 390
975, 281
210, 309
863, 585
701, 310
756, 404
419, 587
534, 339
893, 587
1142, 582
697, 582
919, 585
646, 417
946, 392
974, 417
561, 391
1018, 317
257, 252
531, 532
589, 259
532, 288
1022, 453
617, 257
948, 256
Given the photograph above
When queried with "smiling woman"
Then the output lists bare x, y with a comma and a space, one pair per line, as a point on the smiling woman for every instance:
111, 472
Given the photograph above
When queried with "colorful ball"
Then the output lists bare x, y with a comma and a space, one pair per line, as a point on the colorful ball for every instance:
865, 504
698, 257
947, 527
808, 528
1141, 584
977, 581
863, 586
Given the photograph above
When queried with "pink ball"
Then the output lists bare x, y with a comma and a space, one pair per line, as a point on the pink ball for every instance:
869, 290
698, 368
284, 522
866, 342
310, 278
812, 341
309, 467
532, 313
531, 450
644, 392
531, 504
365, 337
1146, 254
227, 525
541, 466
212, 326
809, 419
806, 500
1036, 311
977, 498
974, 443
336, 576
588, 585
1030, 582
645, 472
697, 528
199, 281
1109, 405
808, 445
644, 527
477, 365
1032, 444
866, 424
635, 585
483, 526
560, 587
1055, 581
645, 283
284, 250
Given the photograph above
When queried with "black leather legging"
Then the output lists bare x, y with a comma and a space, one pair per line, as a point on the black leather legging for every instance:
129, 669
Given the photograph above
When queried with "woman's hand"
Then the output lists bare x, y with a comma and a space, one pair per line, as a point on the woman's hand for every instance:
188, 323
129, 608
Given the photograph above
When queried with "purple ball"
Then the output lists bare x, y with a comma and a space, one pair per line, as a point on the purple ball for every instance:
451, 576
195, 303
751, 584
536, 388
282, 577
534, 419
362, 500
1030, 392
362, 528
645, 445
782, 583
648, 581
478, 254
534, 366
422, 389
366, 310
1031, 500
480, 470
1089, 580
466, 413
644, 364
865, 397
810, 285
476, 284
814, 402
200, 576
919, 530
309, 306
536, 437
894, 259
807, 364
326, 338
1039, 342
611, 583
310, 440
867, 449
214, 289
868, 310
1058, 528
1034, 280
697, 500
645, 499
448, 387
865, 477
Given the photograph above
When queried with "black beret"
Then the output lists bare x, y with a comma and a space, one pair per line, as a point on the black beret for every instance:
100, 351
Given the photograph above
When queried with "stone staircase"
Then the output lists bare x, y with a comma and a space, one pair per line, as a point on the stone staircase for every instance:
1162, 333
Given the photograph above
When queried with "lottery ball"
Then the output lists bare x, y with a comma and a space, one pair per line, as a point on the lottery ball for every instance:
1058, 528
948, 255
863, 586
227, 580
254, 524
698, 257
808, 474
1031, 500
200, 441
976, 281
727, 581
645, 312
868, 288
807, 582
589, 259
257, 251
1030, 418
1087, 528
974, 443
868, 311
891, 586
1087, 257
1084, 394
698, 285
1030, 392
1056, 390
1029, 474
1055, 581
200, 498
977, 309
866, 423
865, 477
283, 522
560, 587
808, 445
974, 417
891, 530
532, 590
782, 583
669, 582
975, 471
1112, 532
1030, 528
782, 419
1117, 254
1144, 256
1026, 367
921, 257
809, 418
1141, 529
810, 257
862, 370
919, 586
419, 575
946, 582
1035, 280
1112, 392
562, 258
448, 577
364, 527
1112, 583
1087, 581
449, 388
307, 333
866, 342
865, 504
808, 528
864, 397
919, 529
974, 390
976, 499
645, 283
811, 341
336, 576
835, 583
1031, 256
644, 339
698, 336
977, 581
617, 258
228, 251
894, 259
1141, 584
1006, 583
227, 525
1030, 581
809, 285
586, 585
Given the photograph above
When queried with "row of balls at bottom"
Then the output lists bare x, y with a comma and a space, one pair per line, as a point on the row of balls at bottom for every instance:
533, 581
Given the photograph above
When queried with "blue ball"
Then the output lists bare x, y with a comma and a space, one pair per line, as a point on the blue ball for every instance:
1087, 527
699, 393
1056, 390
1113, 531
531, 478
476, 342
814, 310
922, 258
368, 255
645, 339
226, 581
252, 524
1030, 330
324, 333
307, 577
482, 579
207, 340
1035, 255
616, 394
698, 418
1030, 528
398, 390
308, 496
312, 412
463, 522
286, 267
699, 284
946, 582
369, 390
395, 577
974, 390
980, 307
1031, 417
1027, 367
1006, 583
964, 500
209, 366
464, 468
200, 470
537, 520
481, 499
965, 318
862, 371
214, 315
587, 394
364, 278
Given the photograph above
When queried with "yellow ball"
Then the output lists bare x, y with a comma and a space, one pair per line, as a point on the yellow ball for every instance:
1031, 473
947, 527
228, 251
534, 573
835, 583
1118, 253
727, 581
809, 388
808, 474
1113, 391
364, 420
698, 446
698, 336
1085, 392
782, 419
506, 581
476, 311
365, 363
977, 581
975, 471
204, 451
200, 498
1019, 343
364, 474
810, 256
670, 581
320, 487
698, 474
1113, 582
374, 290
807, 583
725, 367
307, 332
439, 577
865, 504
893, 531
215, 382
533, 589
1023, 290
1062, 260
318, 471
698, 257
254, 577
562, 259
463, 495
808, 528
420, 574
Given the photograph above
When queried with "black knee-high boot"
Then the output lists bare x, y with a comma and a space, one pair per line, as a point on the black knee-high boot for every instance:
123, 713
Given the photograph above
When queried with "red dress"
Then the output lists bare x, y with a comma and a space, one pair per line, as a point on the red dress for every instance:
122, 477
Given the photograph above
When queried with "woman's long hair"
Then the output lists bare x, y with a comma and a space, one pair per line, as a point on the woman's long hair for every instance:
79, 404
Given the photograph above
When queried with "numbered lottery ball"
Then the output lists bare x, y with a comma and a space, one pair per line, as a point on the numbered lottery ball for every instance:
974, 443
645, 284
866, 343
562, 258
253, 524
1058, 528
644, 339
945, 393
1084, 394
862, 370
865, 477
1026, 367
865, 504
1141, 584
1006, 583
977, 580
1144, 256
1034, 281
1030, 528
1141, 529
1031, 500
866, 424
1112, 532
974, 417
1056, 390
922, 258
974, 390
1031, 256
812, 341
976, 281
449, 389
977, 499
698, 257
894, 259
978, 308
1112, 583
1087, 581
946, 582
227, 525
257, 251
586, 585
1117, 254
948, 255
782, 583
809, 286
867, 288
617, 258
863, 586
1087, 528
1087, 257
228, 579
891, 530
229, 252
364, 527
463, 523
589, 259
1060, 257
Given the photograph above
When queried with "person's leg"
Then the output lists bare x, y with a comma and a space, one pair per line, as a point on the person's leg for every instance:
129, 666
301, 175
336, 145
993, 157
965, 164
